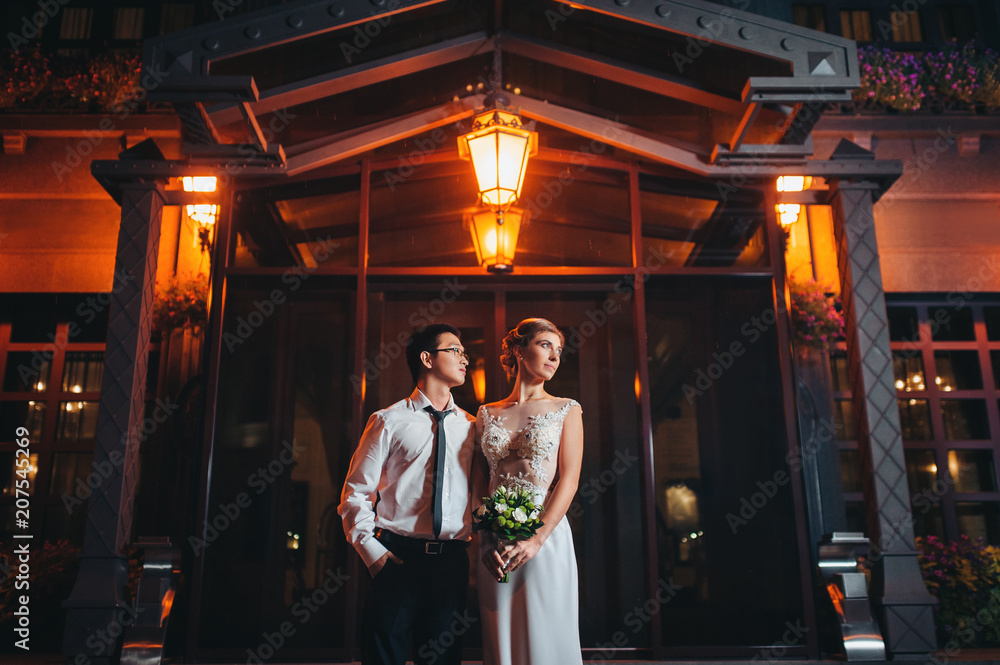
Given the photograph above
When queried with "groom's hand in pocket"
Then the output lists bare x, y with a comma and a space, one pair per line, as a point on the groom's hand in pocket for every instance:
381, 562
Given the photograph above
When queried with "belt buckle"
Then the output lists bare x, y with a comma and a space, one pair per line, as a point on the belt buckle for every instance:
433, 547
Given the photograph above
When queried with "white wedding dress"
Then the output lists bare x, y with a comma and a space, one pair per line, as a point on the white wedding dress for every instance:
534, 618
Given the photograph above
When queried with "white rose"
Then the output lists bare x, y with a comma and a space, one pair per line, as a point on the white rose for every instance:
538, 500
502, 491
500, 508
519, 515
533, 515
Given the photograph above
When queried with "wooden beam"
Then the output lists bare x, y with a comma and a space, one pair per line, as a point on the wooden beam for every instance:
744, 127
619, 72
351, 78
402, 128
610, 132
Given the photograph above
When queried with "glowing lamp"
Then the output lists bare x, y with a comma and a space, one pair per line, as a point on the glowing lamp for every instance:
479, 380
499, 146
199, 183
794, 183
788, 213
494, 236
204, 213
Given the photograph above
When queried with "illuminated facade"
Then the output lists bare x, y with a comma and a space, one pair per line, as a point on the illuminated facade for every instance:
648, 228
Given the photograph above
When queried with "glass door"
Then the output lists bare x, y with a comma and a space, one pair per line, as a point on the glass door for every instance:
273, 568
725, 511
598, 370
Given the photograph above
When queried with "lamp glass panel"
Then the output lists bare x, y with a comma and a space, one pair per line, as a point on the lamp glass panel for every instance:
511, 147
483, 150
484, 236
507, 239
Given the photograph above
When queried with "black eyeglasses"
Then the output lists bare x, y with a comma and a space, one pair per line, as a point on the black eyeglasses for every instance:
459, 353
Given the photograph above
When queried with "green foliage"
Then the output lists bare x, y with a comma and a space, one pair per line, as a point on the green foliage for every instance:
815, 319
511, 514
964, 576
890, 79
958, 75
184, 304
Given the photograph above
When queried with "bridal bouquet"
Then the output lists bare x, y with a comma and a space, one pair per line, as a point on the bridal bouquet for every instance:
512, 514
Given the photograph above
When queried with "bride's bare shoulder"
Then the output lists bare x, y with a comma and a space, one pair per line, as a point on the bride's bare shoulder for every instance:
564, 402
494, 408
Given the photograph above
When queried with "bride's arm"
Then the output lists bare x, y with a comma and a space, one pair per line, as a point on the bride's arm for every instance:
561, 497
480, 488
480, 467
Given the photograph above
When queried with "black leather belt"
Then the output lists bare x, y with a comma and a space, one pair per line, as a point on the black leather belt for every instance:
394, 541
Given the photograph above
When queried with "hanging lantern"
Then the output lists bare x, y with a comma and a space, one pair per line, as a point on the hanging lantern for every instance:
499, 146
494, 235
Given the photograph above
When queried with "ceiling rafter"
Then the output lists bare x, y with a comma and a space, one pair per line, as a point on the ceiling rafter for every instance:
405, 127
351, 78
193, 50
813, 55
615, 134
613, 70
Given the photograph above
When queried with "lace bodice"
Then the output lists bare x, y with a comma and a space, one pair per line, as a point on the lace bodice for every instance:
525, 456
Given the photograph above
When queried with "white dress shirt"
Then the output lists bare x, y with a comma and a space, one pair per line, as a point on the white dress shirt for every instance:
396, 459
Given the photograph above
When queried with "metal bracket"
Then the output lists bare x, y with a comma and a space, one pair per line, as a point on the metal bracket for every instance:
848, 589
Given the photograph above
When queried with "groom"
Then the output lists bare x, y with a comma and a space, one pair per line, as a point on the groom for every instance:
405, 507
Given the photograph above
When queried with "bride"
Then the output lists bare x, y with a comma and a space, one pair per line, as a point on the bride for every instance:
531, 440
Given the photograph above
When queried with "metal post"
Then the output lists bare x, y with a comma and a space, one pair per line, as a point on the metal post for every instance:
903, 605
97, 611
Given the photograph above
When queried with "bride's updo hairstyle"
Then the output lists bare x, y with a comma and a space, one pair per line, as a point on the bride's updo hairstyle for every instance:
520, 337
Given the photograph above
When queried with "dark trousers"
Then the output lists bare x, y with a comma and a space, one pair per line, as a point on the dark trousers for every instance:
420, 602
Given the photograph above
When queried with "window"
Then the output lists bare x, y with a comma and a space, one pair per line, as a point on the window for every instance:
810, 16
906, 27
52, 366
957, 22
856, 24
946, 368
176, 17
76, 23
128, 23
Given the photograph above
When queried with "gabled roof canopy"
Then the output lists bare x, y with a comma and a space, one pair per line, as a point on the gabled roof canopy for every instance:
687, 83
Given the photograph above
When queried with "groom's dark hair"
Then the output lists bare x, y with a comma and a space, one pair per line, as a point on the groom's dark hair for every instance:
426, 339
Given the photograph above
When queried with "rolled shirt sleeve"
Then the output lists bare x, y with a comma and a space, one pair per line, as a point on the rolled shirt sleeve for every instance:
357, 501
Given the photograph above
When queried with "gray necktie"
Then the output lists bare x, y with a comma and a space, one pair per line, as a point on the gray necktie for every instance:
440, 447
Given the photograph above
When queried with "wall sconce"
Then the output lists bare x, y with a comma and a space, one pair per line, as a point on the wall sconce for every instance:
494, 236
794, 183
204, 214
788, 213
